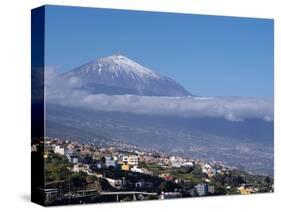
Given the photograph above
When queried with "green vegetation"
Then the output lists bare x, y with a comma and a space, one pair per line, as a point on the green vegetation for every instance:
57, 168
58, 173
154, 168
223, 183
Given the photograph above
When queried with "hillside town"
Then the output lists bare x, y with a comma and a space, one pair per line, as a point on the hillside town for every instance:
114, 172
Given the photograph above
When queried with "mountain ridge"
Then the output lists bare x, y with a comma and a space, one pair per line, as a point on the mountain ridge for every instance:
117, 74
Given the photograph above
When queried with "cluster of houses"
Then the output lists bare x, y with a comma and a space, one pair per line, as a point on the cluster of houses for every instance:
97, 159
89, 158
82, 155
212, 170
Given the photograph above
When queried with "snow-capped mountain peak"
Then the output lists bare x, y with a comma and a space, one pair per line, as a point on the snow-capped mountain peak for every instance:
117, 64
117, 74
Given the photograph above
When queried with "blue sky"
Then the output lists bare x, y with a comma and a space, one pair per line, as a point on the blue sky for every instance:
208, 55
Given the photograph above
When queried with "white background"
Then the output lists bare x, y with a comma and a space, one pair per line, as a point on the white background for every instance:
15, 103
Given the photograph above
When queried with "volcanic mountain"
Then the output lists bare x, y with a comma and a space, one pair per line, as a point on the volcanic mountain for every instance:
117, 74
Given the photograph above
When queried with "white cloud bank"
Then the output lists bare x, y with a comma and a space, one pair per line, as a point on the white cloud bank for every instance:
230, 108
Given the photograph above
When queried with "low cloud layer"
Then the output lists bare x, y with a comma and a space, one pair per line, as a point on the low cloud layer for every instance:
231, 108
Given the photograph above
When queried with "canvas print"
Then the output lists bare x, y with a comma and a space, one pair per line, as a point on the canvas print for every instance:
136, 105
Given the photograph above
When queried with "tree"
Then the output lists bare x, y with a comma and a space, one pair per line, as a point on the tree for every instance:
103, 159
77, 180
267, 181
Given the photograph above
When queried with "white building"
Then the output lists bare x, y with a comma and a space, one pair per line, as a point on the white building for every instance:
110, 161
132, 160
201, 189
207, 169
72, 158
59, 150
116, 183
189, 164
136, 169
178, 162
81, 168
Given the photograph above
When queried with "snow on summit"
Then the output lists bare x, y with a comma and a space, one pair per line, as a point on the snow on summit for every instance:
117, 64
117, 74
